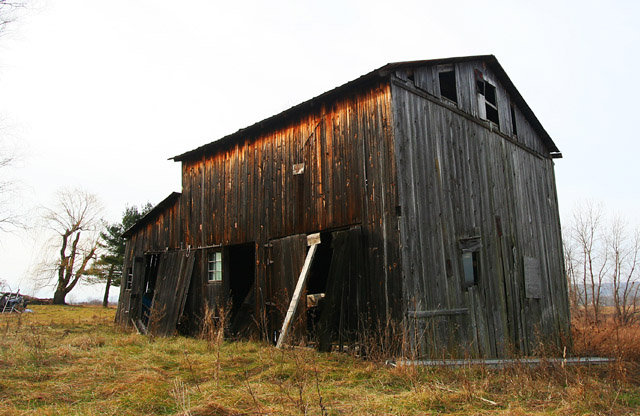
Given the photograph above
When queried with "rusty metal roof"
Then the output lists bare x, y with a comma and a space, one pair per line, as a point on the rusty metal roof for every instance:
377, 74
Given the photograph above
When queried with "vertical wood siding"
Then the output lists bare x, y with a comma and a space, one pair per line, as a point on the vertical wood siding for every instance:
158, 234
416, 176
458, 179
247, 192
426, 78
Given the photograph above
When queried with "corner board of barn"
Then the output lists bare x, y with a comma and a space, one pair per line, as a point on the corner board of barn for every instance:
415, 206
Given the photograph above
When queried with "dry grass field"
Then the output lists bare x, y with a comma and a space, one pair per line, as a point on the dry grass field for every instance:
74, 361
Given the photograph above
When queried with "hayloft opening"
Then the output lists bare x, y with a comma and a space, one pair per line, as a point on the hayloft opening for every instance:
514, 126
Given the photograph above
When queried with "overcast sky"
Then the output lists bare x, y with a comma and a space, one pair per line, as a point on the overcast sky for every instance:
98, 95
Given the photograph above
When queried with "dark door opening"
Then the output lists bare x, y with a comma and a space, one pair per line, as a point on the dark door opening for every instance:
332, 301
317, 284
240, 281
149, 285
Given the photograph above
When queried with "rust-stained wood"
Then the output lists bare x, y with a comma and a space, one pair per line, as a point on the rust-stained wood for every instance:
402, 179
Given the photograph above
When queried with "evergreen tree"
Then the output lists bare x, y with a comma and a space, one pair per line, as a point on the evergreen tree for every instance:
108, 267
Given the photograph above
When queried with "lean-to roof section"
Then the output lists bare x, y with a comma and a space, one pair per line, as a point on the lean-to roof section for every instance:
151, 215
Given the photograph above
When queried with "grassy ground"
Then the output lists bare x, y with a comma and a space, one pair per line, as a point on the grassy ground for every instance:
73, 361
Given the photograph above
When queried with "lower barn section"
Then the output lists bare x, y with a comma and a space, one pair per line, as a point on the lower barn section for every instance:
169, 292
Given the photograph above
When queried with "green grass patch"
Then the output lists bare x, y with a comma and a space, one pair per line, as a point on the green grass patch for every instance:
73, 360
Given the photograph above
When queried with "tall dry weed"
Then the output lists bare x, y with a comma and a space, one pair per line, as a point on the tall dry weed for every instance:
180, 394
214, 326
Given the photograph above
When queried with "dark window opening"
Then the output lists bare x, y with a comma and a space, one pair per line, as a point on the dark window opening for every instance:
470, 248
488, 92
514, 126
410, 75
448, 85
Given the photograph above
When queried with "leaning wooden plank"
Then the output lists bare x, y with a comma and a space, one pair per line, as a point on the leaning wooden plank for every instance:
296, 295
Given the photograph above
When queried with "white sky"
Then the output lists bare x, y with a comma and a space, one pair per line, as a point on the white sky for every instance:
99, 94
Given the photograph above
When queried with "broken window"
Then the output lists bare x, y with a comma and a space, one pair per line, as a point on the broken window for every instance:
470, 264
214, 266
487, 99
470, 248
447, 78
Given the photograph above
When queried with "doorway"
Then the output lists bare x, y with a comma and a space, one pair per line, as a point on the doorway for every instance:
149, 285
239, 280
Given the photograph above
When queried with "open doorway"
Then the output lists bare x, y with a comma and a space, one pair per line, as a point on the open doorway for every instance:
149, 285
239, 279
316, 287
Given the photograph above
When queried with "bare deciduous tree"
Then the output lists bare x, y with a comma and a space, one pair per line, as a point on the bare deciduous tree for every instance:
625, 250
75, 219
8, 11
601, 260
9, 218
572, 268
586, 232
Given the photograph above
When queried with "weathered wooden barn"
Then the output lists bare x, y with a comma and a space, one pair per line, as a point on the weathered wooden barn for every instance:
431, 185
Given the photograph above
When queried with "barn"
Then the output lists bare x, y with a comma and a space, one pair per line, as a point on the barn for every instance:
419, 196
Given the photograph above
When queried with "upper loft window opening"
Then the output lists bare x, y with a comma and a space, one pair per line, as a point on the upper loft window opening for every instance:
410, 75
487, 99
447, 78
514, 126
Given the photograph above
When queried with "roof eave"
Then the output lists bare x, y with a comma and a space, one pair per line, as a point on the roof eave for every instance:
377, 74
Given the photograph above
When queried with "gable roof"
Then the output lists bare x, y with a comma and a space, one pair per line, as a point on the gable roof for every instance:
374, 75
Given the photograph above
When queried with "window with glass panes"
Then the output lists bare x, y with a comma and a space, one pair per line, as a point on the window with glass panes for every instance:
214, 266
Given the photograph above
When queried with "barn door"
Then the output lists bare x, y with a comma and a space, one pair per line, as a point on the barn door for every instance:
136, 275
339, 318
174, 276
285, 262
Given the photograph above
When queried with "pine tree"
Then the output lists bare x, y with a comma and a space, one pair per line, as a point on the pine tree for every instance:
108, 267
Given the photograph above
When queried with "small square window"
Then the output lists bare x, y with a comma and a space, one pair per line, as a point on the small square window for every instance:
214, 266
